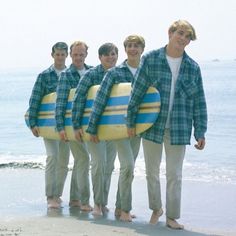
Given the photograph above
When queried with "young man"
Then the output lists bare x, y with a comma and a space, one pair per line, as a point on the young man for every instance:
46, 83
127, 148
102, 154
80, 191
178, 79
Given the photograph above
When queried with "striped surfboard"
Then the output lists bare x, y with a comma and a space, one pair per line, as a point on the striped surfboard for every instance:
112, 124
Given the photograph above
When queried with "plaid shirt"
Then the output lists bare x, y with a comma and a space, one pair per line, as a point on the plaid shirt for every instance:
46, 83
69, 79
189, 107
92, 77
118, 74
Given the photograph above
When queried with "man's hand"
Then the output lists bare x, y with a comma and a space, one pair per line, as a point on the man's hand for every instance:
200, 144
131, 132
35, 131
63, 136
79, 134
94, 138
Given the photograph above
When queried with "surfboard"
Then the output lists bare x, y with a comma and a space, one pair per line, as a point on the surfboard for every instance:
112, 124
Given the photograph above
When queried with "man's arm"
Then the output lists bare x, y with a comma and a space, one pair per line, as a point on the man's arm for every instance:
99, 104
79, 103
63, 90
200, 111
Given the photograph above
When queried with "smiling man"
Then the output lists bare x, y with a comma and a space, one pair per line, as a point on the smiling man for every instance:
103, 154
178, 79
80, 187
127, 148
46, 83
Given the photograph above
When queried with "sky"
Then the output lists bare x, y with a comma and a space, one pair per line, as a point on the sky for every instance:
30, 28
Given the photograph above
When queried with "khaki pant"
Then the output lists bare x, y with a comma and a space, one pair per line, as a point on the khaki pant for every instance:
109, 167
174, 162
79, 187
103, 155
135, 146
127, 152
55, 151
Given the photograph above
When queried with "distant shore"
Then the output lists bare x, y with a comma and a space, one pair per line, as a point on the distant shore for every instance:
207, 209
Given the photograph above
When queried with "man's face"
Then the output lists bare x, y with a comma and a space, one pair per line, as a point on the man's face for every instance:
59, 57
133, 50
78, 55
180, 38
108, 61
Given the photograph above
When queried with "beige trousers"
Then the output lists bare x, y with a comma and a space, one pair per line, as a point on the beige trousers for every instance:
174, 162
55, 150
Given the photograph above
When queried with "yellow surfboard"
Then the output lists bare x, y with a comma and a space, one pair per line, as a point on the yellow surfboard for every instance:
112, 124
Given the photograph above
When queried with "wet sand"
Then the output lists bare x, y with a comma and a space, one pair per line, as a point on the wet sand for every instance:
207, 209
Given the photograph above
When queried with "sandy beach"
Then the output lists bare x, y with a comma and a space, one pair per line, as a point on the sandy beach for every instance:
207, 209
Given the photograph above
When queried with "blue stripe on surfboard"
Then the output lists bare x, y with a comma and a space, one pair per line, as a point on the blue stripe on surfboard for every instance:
121, 119
113, 101
105, 120
47, 107
124, 100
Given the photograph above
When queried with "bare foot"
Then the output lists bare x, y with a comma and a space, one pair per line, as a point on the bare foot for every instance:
173, 224
155, 216
74, 203
52, 203
97, 210
59, 200
105, 209
118, 213
125, 216
86, 208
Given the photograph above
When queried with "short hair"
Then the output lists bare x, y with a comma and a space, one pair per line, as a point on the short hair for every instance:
135, 39
78, 43
186, 25
60, 46
106, 48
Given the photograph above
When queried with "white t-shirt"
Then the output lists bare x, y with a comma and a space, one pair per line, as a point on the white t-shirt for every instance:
132, 69
58, 72
174, 64
82, 72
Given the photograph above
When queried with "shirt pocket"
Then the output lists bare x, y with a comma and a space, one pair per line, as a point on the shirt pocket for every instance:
187, 88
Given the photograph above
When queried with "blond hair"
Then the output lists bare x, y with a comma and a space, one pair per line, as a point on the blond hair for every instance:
183, 24
78, 43
136, 39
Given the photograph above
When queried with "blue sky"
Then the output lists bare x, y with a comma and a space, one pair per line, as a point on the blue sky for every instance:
29, 28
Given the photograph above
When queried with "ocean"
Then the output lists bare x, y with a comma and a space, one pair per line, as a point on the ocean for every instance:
216, 163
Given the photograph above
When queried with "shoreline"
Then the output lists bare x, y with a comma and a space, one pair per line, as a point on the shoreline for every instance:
207, 209
59, 226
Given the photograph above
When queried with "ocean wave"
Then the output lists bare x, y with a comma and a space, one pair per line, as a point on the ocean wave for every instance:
191, 171
195, 172
25, 165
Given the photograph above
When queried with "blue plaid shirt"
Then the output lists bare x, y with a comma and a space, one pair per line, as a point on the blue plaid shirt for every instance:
189, 107
69, 79
118, 74
92, 77
46, 83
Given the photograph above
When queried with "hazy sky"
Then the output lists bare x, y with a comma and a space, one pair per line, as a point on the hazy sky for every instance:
29, 28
